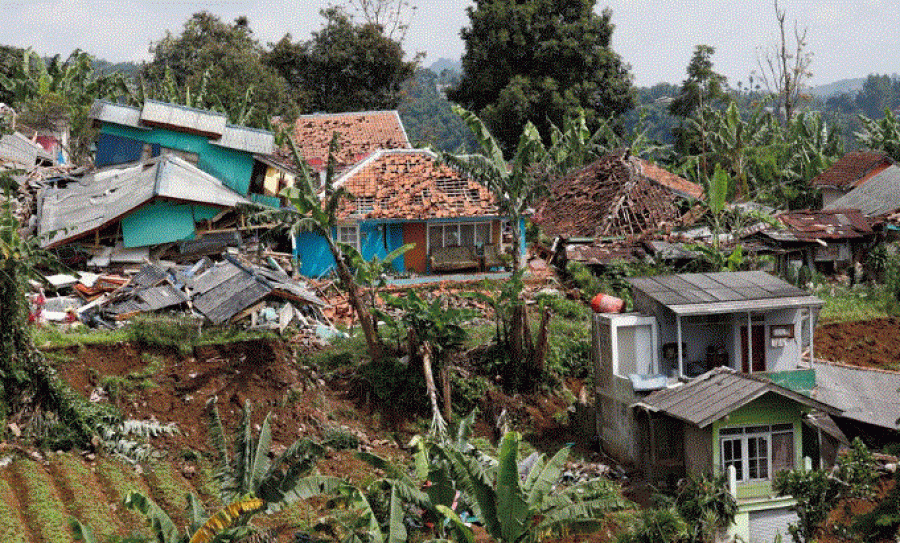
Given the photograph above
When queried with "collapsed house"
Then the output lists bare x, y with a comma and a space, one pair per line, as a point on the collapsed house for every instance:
404, 196
162, 200
614, 201
826, 241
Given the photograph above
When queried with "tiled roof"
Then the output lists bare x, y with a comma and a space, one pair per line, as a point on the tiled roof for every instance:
878, 196
671, 181
362, 133
409, 184
851, 169
812, 225
614, 196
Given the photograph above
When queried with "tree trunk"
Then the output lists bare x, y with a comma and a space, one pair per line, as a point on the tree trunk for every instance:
517, 333
540, 350
438, 424
366, 321
445, 381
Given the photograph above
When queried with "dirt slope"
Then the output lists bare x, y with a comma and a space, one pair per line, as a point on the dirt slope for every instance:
873, 343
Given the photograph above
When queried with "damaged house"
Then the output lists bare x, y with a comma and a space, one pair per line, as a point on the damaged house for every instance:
126, 209
599, 211
826, 241
360, 134
404, 196
200, 137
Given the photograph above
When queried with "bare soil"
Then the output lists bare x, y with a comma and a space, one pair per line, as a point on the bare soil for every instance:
872, 344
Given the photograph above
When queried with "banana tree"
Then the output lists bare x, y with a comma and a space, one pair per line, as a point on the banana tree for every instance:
248, 470
314, 209
532, 508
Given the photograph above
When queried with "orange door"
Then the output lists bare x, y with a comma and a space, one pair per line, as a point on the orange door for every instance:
416, 258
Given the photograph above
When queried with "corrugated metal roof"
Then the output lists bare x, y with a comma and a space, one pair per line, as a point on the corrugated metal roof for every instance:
722, 292
716, 393
19, 150
247, 139
866, 395
198, 120
878, 196
110, 193
108, 112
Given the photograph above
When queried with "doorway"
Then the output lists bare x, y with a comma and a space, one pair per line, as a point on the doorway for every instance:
759, 349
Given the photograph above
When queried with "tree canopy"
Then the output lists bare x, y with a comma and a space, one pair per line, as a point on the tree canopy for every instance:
346, 66
703, 84
538, 61
230, 58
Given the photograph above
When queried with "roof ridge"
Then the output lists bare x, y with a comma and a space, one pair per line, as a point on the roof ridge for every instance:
853, 367
348, 113
186, 108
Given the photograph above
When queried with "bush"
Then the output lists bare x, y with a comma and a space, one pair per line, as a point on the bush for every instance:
467, 391
340, 438
392, 384
155, 331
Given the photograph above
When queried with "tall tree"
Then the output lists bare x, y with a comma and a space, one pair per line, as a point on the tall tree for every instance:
229, 57
702, 86
785, 67
539, 60
345, 66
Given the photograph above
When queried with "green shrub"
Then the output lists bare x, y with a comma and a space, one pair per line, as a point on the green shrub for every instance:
467, 391
392, 384
569, 348
165, 332
340, 438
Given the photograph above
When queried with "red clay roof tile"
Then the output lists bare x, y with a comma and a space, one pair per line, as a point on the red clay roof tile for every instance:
852, 169
409, 184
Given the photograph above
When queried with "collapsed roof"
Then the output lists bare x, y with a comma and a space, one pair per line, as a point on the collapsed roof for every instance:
812, 226
618, 195
108, 195
409, 184
210, 124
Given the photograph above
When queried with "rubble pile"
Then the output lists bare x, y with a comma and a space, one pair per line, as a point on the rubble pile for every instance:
231, 291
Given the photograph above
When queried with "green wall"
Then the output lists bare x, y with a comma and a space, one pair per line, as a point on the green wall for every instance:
162, 221
768, 409
234, 168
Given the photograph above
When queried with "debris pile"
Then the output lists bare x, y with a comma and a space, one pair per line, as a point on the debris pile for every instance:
227, 292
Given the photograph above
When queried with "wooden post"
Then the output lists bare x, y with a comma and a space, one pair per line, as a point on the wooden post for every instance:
445, 382
680, 353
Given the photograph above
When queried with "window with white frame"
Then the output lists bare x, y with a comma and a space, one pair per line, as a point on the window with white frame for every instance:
757, 452
348, 234
469, 234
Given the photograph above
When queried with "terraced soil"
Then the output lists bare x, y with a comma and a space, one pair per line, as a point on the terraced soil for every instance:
873, 343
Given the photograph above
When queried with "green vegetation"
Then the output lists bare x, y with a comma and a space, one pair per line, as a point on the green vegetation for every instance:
53, 337
77, 479
11, 529
118, 480
856, 303
44, 508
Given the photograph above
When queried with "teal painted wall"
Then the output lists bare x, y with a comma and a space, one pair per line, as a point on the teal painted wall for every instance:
313, 254
234, 168
163, 222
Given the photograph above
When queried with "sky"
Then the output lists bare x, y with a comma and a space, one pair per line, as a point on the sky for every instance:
848, 38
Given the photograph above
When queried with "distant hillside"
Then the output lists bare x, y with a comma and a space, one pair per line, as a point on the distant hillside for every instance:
837, 87
442, 64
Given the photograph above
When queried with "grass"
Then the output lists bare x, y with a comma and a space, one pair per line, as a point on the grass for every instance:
11, 529
81, 482
51, 337
349, 351
43, 506
169, 489
121, 480
856, 304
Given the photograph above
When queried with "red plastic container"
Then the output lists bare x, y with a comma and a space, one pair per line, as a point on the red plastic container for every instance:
604, 303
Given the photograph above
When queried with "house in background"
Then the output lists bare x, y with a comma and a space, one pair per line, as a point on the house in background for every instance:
404, 196
877, 198
200, 137
850, 171
727, 422
360, 134
826, 241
